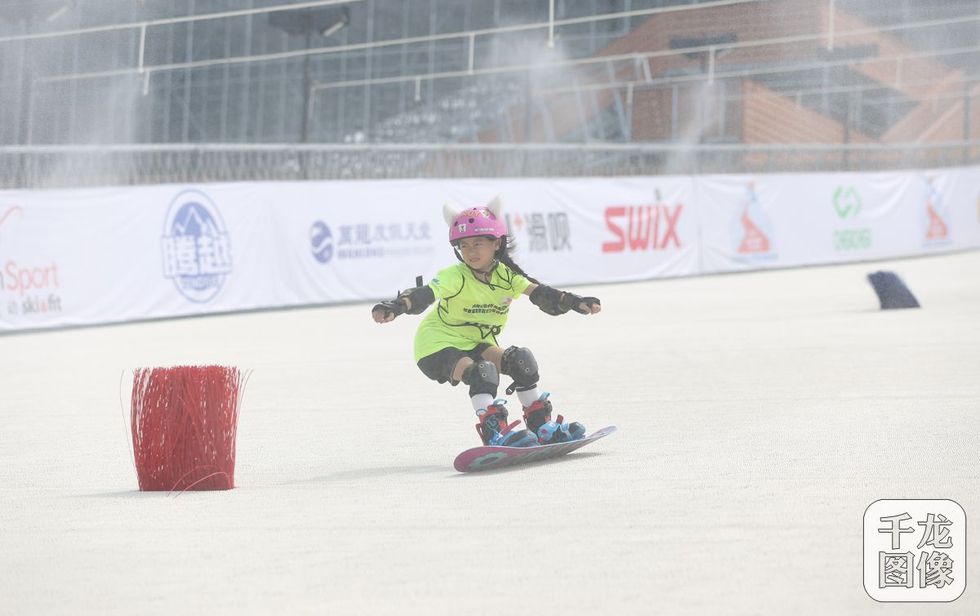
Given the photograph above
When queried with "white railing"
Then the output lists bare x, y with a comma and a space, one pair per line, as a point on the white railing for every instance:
469, 36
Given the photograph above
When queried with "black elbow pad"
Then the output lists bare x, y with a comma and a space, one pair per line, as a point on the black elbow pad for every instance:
548, 300
421, 298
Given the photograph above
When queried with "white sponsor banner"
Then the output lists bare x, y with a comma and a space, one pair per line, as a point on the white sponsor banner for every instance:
648, 229
77, 257
362, 240
596, 230
95, 256
754, 222
742, 224
347, 241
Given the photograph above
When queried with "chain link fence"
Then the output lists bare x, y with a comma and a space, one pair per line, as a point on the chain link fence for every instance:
76, 166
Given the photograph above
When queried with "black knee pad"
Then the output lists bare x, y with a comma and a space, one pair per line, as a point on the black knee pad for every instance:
482, 377
519, 364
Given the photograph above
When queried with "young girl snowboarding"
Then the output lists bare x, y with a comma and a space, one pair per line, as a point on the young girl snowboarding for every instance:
457, 342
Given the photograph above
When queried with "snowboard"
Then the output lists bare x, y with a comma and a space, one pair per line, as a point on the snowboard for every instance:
487, 457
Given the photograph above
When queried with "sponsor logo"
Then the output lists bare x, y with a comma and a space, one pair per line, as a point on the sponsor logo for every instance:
914, 550
487, 309
321, 242
196, 247
23, 279
9, 213
367, 241
752, 230
643, 227
753, 239
28, 289
934, 217
849, 236
542, 231
847, 202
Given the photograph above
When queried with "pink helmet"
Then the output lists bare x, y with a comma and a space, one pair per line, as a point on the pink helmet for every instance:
476, 221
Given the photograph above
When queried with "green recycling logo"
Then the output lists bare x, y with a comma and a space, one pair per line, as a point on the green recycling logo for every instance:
852, 236
847, 202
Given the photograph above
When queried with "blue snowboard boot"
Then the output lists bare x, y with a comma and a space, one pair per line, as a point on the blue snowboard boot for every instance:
495, 431
538, 420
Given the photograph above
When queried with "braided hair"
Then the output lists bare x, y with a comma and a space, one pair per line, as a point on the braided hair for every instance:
503, 255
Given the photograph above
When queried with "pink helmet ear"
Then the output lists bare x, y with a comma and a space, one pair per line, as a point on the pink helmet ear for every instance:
449, 213
496, 206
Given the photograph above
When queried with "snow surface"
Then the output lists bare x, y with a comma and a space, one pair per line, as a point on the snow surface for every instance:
759, 415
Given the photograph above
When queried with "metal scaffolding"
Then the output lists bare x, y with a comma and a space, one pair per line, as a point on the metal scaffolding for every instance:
379, 88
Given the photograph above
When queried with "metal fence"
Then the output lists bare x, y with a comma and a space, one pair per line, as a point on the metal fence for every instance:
428, 71
75, 166
260, 90
271, 71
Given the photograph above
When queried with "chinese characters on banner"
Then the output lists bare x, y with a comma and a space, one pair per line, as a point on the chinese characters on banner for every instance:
543, 231
187, 255
914, 550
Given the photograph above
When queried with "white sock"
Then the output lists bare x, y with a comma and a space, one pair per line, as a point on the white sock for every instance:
481, 401
528, 397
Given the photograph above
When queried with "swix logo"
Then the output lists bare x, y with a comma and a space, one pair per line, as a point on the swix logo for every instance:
647, 227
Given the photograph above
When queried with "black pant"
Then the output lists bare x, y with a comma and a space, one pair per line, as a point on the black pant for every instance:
439, 365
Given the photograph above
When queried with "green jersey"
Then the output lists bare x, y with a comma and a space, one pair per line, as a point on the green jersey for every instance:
468, 311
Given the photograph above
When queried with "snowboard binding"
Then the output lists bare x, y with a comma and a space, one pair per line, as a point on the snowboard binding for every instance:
538, 420
495, 431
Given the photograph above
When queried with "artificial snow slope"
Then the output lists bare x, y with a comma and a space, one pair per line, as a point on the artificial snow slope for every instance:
759, 415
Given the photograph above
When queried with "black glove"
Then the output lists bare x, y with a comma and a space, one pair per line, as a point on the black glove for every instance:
390, 307
570, 301
420, 297
555, 302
